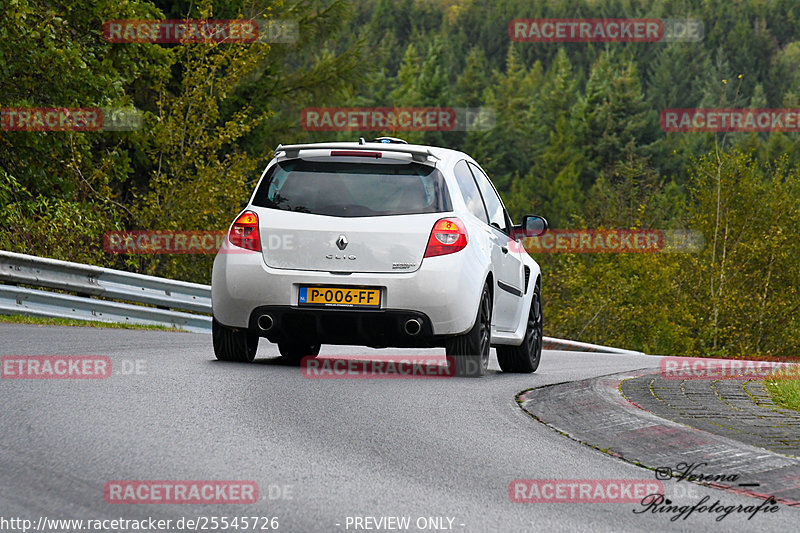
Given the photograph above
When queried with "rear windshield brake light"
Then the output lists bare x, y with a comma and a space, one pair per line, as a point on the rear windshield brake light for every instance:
356, 153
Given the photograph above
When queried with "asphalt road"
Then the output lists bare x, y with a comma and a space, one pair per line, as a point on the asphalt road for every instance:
333, 449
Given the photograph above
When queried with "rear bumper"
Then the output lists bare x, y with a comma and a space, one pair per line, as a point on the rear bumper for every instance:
444, 292
375, 328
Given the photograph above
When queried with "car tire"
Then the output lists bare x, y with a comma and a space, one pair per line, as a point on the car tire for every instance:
524, 359
233, 344
293, 352
470, 351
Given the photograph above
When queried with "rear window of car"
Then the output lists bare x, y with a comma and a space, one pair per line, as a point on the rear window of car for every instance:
353, 189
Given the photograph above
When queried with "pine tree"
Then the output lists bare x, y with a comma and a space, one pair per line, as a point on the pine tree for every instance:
474, 80
407, 92
613, 119
509, 148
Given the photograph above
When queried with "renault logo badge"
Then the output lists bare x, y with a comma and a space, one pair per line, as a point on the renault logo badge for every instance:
341, 242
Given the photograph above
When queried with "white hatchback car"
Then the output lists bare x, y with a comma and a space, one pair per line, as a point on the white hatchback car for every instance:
378, 244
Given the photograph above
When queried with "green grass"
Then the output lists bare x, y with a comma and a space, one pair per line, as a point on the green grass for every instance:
46, 321
785, 392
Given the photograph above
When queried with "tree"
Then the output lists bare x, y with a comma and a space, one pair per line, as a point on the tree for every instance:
63, 187
509, 148
613, 119
743, 283
474, 79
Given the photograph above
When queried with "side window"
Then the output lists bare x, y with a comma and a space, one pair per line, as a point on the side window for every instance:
497, 214
472, 197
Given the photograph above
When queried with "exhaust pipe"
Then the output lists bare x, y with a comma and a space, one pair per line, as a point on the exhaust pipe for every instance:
412, 327
265, 322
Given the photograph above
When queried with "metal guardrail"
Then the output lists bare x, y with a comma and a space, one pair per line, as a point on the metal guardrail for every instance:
551, 343
92, 283
170, 297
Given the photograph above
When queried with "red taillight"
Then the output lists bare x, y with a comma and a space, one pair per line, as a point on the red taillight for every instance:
448, 236
244, 232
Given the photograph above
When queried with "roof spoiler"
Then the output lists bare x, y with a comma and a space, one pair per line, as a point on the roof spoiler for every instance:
417, 153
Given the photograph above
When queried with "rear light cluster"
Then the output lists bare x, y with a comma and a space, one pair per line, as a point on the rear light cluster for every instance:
244, 232
448, 236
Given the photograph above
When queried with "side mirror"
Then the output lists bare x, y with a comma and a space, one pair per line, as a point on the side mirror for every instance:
533, 226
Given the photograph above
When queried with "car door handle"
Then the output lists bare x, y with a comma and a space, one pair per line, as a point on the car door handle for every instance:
505, 249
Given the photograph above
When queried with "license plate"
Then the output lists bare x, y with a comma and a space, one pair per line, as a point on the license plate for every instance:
340, 297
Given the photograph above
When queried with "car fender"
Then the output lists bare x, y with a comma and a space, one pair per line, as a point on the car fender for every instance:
516, 337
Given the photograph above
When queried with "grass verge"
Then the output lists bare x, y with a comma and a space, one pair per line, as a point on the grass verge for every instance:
785, 392
46, 321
